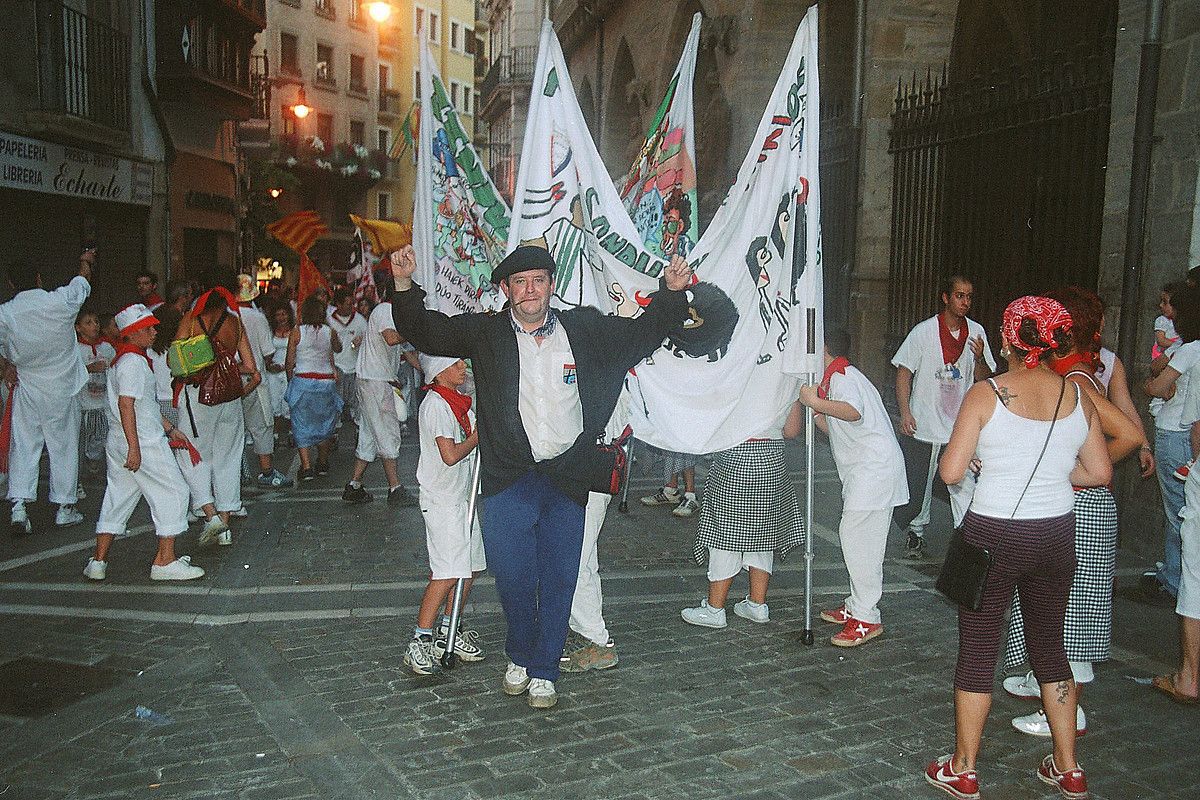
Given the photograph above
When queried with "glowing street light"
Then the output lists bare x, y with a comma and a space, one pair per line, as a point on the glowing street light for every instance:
274, 192
301, 109
380, 10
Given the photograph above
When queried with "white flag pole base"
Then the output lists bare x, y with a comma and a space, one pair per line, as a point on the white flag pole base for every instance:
449, 659
810, 447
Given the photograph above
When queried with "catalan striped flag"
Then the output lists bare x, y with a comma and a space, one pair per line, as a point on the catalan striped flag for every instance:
298, 231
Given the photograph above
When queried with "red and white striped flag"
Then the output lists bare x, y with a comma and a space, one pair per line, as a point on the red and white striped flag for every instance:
298, 231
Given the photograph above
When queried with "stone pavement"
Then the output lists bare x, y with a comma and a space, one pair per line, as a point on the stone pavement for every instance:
279, 676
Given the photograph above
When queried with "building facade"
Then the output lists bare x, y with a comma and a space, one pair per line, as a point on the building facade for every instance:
82, 157
512, 38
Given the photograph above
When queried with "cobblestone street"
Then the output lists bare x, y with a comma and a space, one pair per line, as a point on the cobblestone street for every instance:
279, 675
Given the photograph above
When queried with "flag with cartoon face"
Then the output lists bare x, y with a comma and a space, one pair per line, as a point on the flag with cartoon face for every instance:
755, 312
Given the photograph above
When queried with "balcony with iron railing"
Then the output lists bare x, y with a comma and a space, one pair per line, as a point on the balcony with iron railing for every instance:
511, 69
83, 66
389, 103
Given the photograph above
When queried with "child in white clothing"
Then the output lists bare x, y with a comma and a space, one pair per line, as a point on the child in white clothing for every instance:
97, 356
448, 456
871, 467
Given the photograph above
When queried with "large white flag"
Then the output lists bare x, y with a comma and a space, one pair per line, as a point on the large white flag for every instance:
460, 220
659, 191
756, 311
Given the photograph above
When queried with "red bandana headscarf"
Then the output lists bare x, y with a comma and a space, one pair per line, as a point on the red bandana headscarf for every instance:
1050, 317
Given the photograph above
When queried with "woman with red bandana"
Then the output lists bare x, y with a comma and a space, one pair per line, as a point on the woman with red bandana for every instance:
1035, 436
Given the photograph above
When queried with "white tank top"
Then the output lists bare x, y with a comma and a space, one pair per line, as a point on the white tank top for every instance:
1009, 446
314, 350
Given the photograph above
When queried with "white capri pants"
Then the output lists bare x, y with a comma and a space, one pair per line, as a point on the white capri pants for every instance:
379, 427
37, 424
451, 553
725, 564
587, 617
157, 480
259, 421
1188, 604
219, 434
864, 536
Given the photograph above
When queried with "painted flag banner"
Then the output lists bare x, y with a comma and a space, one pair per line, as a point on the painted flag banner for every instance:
756, 310
460, 221
298, 231
659, 191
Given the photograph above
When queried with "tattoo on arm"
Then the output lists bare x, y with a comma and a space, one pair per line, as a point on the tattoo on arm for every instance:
1006, 396
1062, 689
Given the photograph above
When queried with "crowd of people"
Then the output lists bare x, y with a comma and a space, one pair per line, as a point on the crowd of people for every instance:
164, 396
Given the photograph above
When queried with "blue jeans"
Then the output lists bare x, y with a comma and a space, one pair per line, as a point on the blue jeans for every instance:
533, 536
1171, 449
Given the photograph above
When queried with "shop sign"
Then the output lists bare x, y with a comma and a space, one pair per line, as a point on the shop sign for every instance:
37, 166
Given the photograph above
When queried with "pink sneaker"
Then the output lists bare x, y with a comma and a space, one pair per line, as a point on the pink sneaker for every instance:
963, 785
1072, 783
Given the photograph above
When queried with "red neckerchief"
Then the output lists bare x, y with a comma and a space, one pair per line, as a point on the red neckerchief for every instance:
460, 404
92, 345
952, 349
125, 347
1064, 365
838, 365
338, 319
111, 341
155, 299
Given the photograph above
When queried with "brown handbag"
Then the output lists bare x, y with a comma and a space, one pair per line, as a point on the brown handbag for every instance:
222, 381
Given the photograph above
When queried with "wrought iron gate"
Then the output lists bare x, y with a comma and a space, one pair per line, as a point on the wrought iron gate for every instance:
1000, 178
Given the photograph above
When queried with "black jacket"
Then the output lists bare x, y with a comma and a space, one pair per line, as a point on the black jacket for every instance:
604, 347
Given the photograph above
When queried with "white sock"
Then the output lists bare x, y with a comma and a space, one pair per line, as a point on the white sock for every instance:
355, 484
690, 496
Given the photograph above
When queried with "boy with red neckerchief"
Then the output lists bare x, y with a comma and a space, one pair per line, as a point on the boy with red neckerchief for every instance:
448, 456
140, 462
871, 467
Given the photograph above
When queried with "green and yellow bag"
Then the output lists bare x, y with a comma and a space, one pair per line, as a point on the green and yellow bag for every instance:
188, 357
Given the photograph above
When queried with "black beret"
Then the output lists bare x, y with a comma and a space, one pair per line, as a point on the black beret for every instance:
524, 258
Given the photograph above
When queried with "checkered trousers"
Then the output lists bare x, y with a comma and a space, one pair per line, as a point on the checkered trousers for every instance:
1087, 630
750, 502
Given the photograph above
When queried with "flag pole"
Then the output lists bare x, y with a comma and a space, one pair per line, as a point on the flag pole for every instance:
449, 659
810, 448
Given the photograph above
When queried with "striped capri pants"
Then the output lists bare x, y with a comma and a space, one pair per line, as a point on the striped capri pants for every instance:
1036, 556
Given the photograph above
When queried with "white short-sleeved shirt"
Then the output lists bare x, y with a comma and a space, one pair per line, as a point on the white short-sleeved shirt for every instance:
132, 377
1170, 415
348, 331
938, 388
377, 360
867, 455
441, 484
549, 404
162, 375
258, 334
37, 329
94, 394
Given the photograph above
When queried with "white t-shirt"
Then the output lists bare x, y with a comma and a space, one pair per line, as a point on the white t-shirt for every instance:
548, 401
37, 331
1170, 414
94, 394
348, 331
442, 484
867, 455
162, 375
377, 360
938, 388
258, 334
132, 377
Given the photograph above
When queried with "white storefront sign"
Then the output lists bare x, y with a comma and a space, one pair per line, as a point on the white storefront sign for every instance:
37, 166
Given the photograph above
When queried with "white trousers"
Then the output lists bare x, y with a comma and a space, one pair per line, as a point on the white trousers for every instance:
379, 427
864, 536
587, 617
38, 423
725, 564
220, 436
157, 480
260, 422
1188, 604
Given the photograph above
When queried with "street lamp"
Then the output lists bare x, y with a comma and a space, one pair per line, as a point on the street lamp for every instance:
301, 109
380, 10
274, 192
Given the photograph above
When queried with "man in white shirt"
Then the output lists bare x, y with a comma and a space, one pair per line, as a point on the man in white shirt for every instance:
940, 359
44, 373
350, 326
256, 406
376, 373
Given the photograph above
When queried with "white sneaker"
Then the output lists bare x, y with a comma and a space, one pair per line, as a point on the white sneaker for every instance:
20, 518
212, 532
1023, 686
419, 658
755, 612
516, 679
541, 693
67, 516
95, 570
225, 538
465, 646
181, 569
1036, 724
704, 615
686, 508
241, 513
662, 497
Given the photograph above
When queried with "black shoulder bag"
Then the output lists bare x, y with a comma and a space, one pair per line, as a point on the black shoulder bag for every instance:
965, 570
